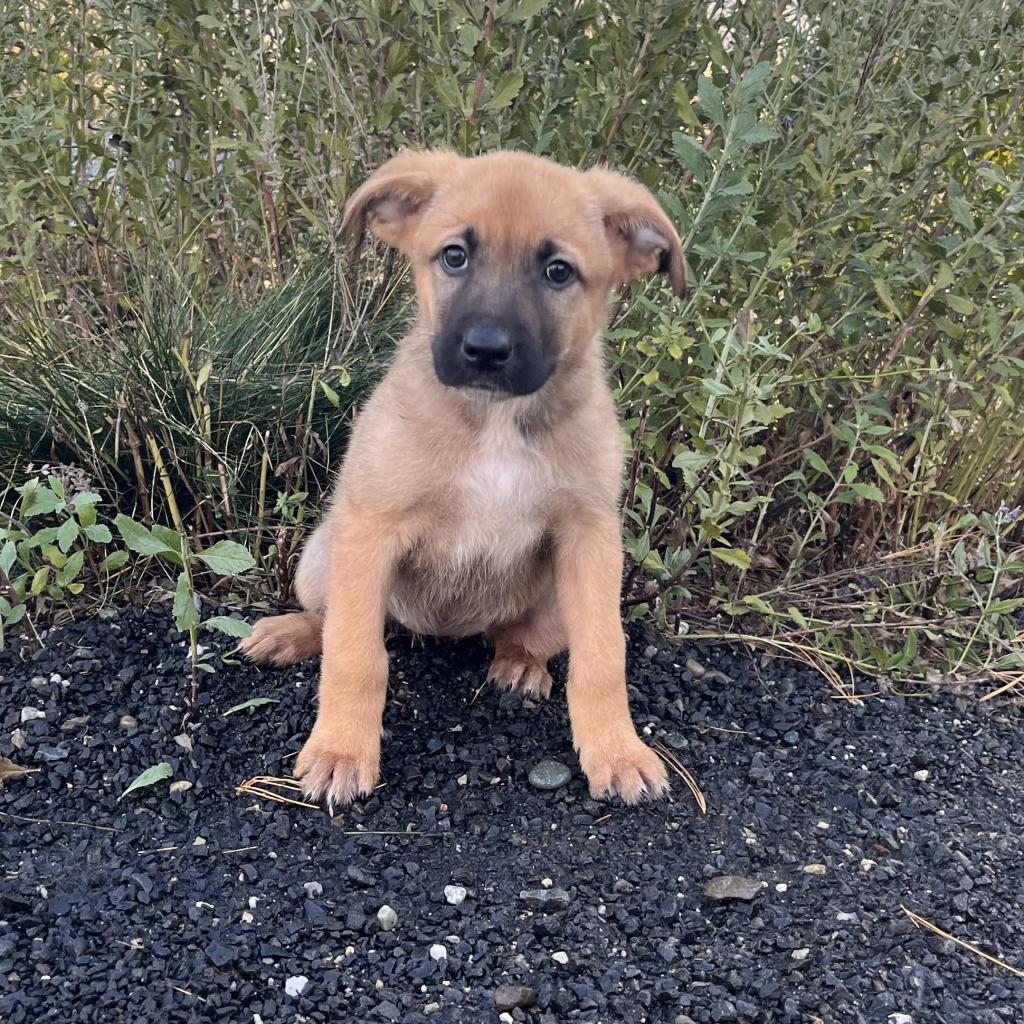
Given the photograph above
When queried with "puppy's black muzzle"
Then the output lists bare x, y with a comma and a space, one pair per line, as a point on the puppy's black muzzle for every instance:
495, 353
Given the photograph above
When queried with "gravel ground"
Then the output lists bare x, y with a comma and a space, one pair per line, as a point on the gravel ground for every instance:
194, 904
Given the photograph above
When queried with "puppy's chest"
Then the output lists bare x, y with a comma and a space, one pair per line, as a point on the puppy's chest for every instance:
501, 500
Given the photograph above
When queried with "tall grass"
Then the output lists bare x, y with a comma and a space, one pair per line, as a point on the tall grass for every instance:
823, 435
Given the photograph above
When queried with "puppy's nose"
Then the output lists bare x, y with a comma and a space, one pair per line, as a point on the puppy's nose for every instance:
486, 346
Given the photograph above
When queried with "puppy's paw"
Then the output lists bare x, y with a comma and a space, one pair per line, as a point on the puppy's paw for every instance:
626, 768
283, 639
521, 674
337, 771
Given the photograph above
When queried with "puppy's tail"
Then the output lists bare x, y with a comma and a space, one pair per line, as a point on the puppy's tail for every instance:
284, 639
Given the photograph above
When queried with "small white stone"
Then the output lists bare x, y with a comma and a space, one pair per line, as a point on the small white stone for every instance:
506, 1018
247, 917
55, 677
295, 985
18, 739
313, 889
257, 1019
781, 887
180, 786
823, 825
921, 776
814, 869
438, 952
867, 865
379, 985
31, 714
387, 918
846, 917
350, 950
253, 900
900, 1018
455, 894
800, 954
546, 882
431, 1007
561, 957
199, 841
462, 780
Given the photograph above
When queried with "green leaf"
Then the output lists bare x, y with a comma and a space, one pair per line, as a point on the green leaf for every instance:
732, 556
882, 290
962, 212
959, 303
99, 534
505, 90
86, 515
87, 499
797, 616
759, 133
710, 97
1005, 606
758, 604
8, 553
72, 567
684, 108
753, 83
139, 539
41, 502
869, 491
690, 154
741, 188
815, 461
67, 534
115, 560
525, 10
149, 777
232, 627
227, 558
255, 702
39, 580
184, 609
332, 395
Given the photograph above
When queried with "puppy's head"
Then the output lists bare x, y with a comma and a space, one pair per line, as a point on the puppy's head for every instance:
514, 257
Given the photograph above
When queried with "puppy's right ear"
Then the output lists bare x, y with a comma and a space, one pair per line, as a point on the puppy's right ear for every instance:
391, 201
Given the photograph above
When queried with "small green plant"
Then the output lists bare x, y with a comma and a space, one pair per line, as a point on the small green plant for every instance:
226, 558
150, 777
51, 546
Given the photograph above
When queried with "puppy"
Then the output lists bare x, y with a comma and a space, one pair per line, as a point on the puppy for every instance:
480, 490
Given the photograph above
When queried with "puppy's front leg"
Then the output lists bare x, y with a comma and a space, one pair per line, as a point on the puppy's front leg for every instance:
341, 758
588, 578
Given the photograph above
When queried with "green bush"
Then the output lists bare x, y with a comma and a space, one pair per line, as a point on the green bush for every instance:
823, 434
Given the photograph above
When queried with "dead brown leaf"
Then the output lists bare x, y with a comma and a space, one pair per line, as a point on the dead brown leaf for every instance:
9, 770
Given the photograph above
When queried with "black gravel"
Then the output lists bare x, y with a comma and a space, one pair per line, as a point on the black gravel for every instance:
201, 905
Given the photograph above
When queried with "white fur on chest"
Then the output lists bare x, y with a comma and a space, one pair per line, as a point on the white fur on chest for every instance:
503, 491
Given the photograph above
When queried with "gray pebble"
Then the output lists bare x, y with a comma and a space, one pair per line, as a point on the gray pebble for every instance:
732, 887
387, 918
514, 997
549, 774
455, 894
545, 899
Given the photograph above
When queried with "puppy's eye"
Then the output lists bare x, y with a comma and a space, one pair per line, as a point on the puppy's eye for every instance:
454, 259
558, 273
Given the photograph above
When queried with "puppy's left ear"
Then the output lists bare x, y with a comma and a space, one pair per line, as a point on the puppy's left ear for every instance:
392, 200
643, 238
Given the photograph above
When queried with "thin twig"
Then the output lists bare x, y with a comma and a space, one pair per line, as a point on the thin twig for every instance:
923, 923
54, 821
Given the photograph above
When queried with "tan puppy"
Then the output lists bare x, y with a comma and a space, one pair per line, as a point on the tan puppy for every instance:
480, 489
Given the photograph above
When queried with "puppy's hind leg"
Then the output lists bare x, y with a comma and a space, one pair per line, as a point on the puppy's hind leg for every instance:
522, 650
288, 639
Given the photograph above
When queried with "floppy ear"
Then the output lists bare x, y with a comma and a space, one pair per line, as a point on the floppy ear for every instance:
390, 202
641, 235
